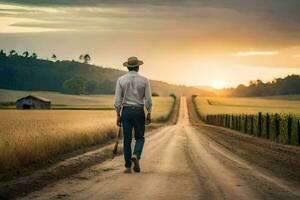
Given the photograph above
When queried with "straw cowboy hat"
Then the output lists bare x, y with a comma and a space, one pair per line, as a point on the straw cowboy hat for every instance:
133, 62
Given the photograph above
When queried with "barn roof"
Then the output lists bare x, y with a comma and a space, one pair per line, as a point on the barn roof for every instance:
35, 97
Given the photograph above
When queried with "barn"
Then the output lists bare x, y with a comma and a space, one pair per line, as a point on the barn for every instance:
33, 102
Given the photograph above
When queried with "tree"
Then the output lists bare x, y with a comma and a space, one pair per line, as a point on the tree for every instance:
91, 87
155, 94
106, 87
74, 85
12, 52
25, 54
86, 58
2, 53
173, 96
34, 56
81, 57
54, 57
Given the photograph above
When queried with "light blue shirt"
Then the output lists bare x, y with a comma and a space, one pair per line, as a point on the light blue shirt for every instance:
132, 89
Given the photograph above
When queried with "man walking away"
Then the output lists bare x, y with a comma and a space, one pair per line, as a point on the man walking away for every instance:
132, 93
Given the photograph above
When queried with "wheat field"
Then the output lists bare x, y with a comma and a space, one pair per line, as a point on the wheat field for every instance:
232, 105
28, 136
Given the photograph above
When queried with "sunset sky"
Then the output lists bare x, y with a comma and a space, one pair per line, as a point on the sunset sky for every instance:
205, 42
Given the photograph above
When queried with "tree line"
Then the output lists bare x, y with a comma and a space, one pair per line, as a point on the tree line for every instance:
79, 85
25, 71
290, 85
85, 58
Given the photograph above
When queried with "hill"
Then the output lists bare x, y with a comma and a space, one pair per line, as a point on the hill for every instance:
290, 85
33, 74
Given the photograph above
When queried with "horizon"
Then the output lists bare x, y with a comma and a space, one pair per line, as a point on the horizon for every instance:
216, 44
218, 86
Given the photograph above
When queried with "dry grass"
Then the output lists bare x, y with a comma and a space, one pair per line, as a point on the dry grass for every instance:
162, 107
36, 135
227, 105
28, 136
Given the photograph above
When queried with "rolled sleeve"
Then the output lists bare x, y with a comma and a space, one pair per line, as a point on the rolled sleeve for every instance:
148, 98
118, 97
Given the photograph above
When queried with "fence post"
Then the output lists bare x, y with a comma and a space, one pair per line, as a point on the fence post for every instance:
259, 124
223, 120
246, 124
289, 129
268, 126
298, 132
277, 127
236, 123
240, 123
232, 122
252, 125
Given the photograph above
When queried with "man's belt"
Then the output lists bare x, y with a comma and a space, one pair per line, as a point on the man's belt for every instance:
133, 107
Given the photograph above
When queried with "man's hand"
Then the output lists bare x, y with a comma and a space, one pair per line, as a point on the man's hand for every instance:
119, 121
148, 119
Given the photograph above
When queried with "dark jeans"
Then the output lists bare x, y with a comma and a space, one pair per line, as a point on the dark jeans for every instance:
133, 118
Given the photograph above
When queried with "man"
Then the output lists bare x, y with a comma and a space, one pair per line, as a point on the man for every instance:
132, 93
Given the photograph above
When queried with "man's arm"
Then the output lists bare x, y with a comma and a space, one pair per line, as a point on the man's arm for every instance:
148, 101
118, 101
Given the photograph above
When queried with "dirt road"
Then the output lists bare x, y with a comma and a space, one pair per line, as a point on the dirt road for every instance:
179, 162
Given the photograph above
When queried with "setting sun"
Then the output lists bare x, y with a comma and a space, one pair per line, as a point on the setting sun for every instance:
218, 85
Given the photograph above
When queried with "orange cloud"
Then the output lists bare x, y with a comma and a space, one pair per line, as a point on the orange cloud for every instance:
256, 53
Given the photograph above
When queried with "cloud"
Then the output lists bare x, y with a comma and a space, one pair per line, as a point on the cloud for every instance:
256, 53
201, 30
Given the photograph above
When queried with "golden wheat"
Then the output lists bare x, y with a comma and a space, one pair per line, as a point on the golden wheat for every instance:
35, 135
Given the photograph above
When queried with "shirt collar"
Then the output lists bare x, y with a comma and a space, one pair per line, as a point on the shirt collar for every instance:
133, 72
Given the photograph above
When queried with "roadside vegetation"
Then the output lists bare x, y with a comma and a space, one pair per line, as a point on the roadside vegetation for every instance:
30, 136
162, 108
274, 119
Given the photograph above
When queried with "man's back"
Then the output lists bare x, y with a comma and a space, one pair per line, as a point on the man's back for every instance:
132, 89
